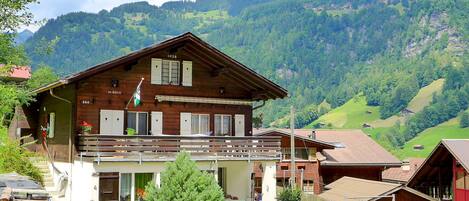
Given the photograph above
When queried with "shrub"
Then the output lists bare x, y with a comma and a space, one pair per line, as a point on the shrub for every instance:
464, 122
289, 194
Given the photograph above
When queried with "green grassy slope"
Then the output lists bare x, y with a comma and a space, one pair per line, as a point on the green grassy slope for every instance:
353, 114
422, 99
430, 138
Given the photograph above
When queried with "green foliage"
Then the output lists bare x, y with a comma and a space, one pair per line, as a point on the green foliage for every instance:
181, 181
13, 14
41, 76
13, 158
464, 121
289, 194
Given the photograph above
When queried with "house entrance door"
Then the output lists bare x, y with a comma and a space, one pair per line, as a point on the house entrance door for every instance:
109, 186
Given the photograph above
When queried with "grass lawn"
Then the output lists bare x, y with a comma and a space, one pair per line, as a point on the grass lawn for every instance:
352, 114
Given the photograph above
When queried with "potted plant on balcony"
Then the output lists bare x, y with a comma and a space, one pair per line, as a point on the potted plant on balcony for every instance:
131, 131
86, 127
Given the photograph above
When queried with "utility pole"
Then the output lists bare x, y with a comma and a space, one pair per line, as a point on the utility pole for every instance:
292, 147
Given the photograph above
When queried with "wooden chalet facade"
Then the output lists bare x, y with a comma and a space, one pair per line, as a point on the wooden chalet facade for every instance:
193, 97
445, 173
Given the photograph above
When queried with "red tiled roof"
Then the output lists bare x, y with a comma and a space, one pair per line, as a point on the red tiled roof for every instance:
19, 72
404, 173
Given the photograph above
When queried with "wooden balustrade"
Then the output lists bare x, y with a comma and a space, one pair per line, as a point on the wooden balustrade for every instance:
164, 147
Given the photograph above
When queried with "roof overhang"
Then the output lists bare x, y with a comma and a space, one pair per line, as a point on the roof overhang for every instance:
324, 144
270, 90
191, 99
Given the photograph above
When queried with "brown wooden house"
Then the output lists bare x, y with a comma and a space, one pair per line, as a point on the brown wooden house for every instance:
445, 173
323, 156
193, 97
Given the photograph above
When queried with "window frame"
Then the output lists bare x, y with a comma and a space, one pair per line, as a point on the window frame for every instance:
137, 122
200, 122
230, 130
170, 69
133, 196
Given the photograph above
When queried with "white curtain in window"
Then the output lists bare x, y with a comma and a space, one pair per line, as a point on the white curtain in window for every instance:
125, 186
204, 124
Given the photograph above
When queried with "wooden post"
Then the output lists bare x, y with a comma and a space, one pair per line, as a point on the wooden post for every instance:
292, 147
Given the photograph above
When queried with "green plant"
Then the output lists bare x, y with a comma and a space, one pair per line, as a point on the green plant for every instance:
289, 194
131, 131
86, 127
182, 180
464, 122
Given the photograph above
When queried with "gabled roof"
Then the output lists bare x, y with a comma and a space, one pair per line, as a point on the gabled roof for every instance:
285, 132
221, 60
18, 72
457, 148
349, 188
354, 148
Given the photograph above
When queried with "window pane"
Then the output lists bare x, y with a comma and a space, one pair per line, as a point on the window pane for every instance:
175, 73
132, 120
467, 181
204, 123
226, 125
142, 123
141, 180
217, 125
165, 72
126, 182
195, 124
459, 180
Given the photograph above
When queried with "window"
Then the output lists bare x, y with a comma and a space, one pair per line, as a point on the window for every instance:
138, 121
170, 72
136, 181
222, 124
200, 124
222, 179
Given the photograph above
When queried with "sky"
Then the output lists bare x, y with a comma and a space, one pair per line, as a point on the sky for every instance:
48, 9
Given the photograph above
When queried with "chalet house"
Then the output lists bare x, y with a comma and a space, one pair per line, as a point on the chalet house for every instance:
192, 97
324, 156
16, 73
445, 173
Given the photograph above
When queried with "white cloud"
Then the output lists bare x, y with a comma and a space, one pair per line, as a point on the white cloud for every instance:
48, 9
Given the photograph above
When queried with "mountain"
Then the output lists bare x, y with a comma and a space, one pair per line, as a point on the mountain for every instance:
322, 51
22, 36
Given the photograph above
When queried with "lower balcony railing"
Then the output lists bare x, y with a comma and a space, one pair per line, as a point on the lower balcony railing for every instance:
165, 147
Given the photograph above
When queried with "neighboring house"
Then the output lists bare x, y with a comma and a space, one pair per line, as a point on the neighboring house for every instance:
327, 155
402, 174
445, 173
193, 97
16, 73
349, 188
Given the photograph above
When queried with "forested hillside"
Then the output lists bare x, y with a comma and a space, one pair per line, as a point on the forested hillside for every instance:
321, 51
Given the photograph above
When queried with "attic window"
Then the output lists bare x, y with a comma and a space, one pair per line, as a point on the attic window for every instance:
170, 72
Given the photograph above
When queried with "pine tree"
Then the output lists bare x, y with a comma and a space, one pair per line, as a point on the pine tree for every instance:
464, 120
182, 180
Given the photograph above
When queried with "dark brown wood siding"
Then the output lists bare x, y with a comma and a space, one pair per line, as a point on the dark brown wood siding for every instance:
97, 89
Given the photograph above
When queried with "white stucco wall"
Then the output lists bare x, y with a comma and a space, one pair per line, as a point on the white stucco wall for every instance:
238, 176
85, 183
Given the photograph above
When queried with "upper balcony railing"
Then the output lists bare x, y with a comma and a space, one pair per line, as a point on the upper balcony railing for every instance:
165, 147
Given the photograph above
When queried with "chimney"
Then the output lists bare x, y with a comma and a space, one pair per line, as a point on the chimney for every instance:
313, 134
406, 165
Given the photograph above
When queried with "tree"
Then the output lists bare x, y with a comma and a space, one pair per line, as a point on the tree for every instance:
14, 14
464, 122
182, 181
43, 75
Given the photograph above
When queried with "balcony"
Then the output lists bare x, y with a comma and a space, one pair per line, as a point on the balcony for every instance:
165, 147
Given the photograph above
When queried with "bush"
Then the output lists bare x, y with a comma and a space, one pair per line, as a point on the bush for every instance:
289, 194
464, 122
182, 180
14, 158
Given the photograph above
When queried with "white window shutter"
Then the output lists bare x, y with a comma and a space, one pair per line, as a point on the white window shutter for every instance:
156, 66
187, 73
118, 122
105, 125
156, 123
239, 125
185, 123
